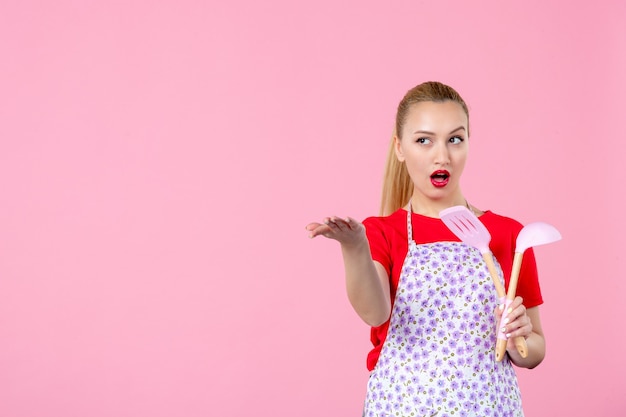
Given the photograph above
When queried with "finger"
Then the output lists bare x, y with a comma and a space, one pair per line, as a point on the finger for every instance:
312, 226
512, 319
518, 301
523, 331
353, 224
518, 311
340, 223
319, 230
521, 326
328, 221
513, 311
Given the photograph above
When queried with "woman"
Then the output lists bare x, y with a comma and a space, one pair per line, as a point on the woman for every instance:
428, 297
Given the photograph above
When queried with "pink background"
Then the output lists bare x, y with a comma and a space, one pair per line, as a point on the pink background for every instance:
160, 159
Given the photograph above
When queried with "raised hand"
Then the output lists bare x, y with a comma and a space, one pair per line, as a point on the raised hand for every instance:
367, 283
346, 231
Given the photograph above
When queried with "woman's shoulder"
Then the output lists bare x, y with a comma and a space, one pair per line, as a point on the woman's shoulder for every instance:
392, 220
388, 228
387, 236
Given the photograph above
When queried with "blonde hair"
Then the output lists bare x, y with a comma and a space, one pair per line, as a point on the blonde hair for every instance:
397, 185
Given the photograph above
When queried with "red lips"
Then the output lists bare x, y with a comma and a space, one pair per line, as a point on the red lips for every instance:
440, 178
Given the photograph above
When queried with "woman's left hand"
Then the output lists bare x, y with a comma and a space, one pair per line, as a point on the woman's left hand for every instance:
515, 323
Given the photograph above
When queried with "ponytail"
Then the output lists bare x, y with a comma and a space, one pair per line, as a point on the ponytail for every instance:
397, 185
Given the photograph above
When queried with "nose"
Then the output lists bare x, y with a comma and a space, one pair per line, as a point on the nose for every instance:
442, 155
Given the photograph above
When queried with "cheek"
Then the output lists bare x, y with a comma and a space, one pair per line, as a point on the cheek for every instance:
460, 156
416, 163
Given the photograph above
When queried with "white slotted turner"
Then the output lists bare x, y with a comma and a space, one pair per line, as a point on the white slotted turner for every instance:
467, 227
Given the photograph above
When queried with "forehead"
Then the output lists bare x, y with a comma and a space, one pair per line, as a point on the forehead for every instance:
435, 117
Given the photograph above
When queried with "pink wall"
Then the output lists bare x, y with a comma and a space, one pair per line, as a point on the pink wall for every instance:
160, 159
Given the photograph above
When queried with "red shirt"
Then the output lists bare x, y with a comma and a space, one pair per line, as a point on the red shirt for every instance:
389, 246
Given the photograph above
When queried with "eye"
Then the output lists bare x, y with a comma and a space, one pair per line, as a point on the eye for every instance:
456, 139
423, 141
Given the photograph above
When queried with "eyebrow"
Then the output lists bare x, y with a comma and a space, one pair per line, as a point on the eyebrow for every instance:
426, 132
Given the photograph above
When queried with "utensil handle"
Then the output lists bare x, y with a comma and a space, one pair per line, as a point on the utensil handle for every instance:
502, 339
522, 347
520, 342
500, 349
488, 257
517, 265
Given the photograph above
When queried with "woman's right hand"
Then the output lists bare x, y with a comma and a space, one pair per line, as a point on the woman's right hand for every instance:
367, 282
346, 231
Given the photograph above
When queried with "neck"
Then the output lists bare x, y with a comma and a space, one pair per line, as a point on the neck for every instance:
432, 208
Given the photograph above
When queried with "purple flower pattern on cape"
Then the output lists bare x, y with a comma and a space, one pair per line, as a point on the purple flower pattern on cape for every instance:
438, 358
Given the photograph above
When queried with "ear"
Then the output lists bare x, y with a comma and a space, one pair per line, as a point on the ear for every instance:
397, 145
